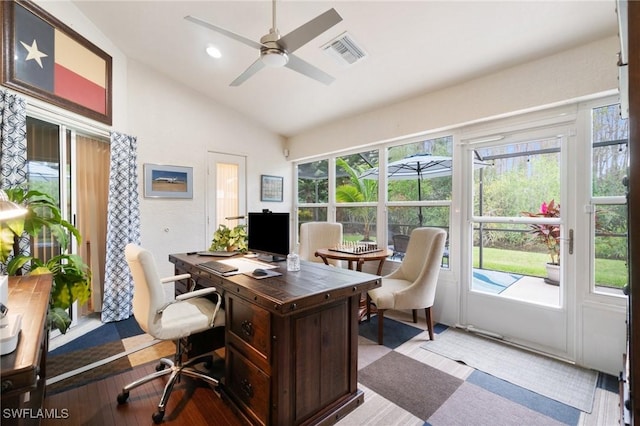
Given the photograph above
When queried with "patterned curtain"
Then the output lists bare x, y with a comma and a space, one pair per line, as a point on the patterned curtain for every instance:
13, 148
123, 227
13, 140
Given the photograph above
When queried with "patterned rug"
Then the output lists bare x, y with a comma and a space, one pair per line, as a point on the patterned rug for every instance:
110, 349
560, 381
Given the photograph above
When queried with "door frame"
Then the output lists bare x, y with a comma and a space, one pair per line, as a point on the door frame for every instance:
548, 329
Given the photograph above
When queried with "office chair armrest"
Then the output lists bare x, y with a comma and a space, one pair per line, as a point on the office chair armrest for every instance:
197, 293
204, 292
174, 278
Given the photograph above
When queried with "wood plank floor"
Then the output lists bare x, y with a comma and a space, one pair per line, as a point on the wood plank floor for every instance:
191, 403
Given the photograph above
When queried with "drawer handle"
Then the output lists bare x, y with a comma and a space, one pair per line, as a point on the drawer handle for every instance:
246, 387
247, 328
7, 385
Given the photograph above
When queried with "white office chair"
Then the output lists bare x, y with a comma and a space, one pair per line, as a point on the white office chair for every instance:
413, 284
317, 235
175, 319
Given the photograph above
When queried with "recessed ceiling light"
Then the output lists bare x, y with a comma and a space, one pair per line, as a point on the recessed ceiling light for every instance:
214, 52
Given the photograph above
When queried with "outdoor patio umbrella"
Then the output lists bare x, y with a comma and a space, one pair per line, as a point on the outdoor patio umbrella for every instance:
418, 166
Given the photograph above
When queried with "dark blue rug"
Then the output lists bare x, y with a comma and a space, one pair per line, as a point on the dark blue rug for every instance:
395, 332
106, 333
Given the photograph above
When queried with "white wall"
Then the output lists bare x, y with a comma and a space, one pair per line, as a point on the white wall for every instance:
178, 126
572, 74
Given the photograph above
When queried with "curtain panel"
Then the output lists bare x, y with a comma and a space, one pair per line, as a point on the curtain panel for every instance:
123, 227
13, 149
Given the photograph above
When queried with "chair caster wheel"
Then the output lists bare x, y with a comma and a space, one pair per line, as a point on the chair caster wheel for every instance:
157, 417
122, 397
160, 367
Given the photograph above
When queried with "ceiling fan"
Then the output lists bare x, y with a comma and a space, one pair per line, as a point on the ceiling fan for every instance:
276, 51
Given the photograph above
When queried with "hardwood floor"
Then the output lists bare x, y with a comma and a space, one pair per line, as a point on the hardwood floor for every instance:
191, 403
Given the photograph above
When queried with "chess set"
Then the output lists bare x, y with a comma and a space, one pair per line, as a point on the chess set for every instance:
351, 247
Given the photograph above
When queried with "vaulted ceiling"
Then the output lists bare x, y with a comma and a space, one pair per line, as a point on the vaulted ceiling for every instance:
412, 47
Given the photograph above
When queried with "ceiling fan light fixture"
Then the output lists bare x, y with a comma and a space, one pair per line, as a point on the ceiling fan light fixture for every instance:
274, 58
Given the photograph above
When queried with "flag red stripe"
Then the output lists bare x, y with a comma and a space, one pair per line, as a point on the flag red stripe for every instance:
78, 89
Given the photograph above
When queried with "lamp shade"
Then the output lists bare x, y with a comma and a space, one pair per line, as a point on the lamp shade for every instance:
9, 209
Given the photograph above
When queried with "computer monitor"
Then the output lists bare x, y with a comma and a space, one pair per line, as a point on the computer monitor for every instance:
268, 235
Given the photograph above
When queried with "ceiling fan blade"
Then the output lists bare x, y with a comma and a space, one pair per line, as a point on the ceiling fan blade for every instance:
253, 68
307, 32
225, 32
309, 70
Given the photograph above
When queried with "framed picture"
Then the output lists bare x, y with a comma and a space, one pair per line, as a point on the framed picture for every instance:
168, 181
44, 58
271, 188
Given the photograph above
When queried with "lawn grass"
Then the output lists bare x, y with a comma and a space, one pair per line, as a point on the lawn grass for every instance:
610, 273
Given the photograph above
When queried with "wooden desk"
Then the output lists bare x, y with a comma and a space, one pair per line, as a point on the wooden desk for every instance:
357, 258
291, 341
23, 370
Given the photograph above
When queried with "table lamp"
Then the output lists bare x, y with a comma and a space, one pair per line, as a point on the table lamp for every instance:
9, 323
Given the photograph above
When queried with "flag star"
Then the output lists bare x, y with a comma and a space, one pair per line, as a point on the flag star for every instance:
34, 53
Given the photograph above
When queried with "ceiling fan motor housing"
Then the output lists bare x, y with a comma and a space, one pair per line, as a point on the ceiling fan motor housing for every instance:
271, 54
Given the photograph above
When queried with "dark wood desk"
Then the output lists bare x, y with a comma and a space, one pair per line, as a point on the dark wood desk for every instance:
23, 370
291, 353
357, 258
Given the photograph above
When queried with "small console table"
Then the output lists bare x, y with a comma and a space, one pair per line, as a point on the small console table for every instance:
291, 341
23, 370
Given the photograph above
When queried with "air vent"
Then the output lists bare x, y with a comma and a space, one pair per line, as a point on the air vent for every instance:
345, 49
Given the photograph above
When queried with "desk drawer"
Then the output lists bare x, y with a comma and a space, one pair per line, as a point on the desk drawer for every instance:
251, 324
250, 385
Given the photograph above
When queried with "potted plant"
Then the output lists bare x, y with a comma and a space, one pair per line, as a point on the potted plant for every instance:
549, 235
230, 239
71, 276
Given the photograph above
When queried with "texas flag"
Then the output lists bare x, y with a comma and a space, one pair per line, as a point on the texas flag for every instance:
48, 59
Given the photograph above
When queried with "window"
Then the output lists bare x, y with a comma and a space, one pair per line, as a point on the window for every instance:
313, 191
610, 161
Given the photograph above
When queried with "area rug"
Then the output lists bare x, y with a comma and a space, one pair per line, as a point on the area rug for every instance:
95, 355
546, 376
412, 385
493, 281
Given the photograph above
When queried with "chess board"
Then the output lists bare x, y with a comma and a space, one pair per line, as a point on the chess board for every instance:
361, 249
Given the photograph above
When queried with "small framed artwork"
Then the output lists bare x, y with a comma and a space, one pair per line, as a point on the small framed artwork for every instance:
48, 60
271, 188
168, 181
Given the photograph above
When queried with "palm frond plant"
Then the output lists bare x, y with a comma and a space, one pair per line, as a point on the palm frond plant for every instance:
358, 191
71, 276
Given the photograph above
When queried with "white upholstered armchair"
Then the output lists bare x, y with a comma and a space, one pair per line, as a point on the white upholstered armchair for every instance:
317, 235
413, 284
172, 319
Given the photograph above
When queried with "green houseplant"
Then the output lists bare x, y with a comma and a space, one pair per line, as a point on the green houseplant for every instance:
230, 239
71, 276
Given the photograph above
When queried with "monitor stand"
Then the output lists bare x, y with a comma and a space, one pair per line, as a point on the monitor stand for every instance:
271, 258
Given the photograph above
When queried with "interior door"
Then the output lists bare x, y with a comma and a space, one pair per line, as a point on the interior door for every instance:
516, 199
226, 191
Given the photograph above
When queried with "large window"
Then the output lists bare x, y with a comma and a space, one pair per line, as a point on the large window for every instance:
356, 196
610, 161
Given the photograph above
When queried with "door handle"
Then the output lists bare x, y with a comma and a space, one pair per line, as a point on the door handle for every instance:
570, 241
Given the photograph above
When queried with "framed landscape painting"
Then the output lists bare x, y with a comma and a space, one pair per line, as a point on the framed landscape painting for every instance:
168, 181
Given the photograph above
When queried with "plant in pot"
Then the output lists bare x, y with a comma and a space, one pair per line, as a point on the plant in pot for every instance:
549, 235
71, 276
230, 239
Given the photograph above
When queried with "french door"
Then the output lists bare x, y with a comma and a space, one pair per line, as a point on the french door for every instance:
226, 191
518, 221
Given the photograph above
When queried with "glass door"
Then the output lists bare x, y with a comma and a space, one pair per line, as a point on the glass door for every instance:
226, 192
519, 240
